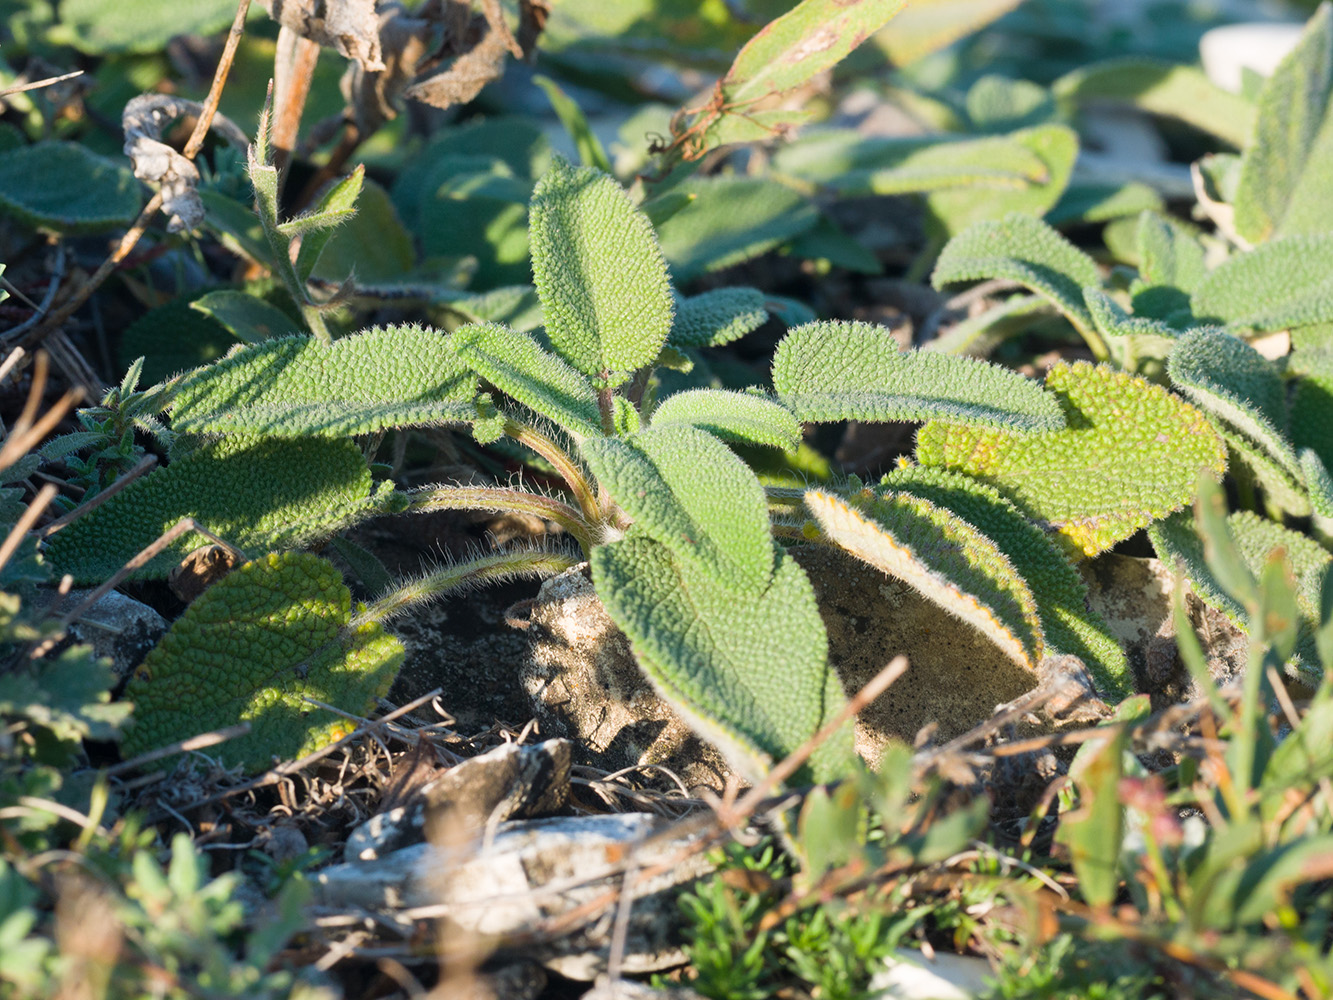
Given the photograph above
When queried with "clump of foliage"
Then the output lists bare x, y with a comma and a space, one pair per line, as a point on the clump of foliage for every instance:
669, 423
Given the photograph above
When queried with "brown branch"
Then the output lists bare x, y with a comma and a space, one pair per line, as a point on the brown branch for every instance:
131, 238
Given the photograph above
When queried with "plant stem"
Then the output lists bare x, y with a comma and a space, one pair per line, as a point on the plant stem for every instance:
485, 569
569, 470
606, 403
503, 500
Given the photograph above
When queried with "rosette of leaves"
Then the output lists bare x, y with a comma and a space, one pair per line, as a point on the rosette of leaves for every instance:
675, 525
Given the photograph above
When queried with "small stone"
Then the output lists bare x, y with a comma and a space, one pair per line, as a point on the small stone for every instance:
117, 627
909, 975
509, 782
535, 872
585, 684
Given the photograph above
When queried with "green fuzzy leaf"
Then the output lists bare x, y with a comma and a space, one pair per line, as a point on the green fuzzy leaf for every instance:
1168, 254
173, 338
1023, 249
591, 153
1162, 88
316, 227
373, 245
1228, 378
394, 376
1281, 284
1312, 414
853, 164
516, 364
599, 272
1320, 484
856, 371
813, 36
995, 103
253, 648
742, 417
1284, 488
1177, 543
247, 317
943, 557
1131, 453
259, 494
749, 673
1060, 592
717, 317
686, 490
1287, 168
730, 220
64, 187
98, 28
1113, 322
952, 211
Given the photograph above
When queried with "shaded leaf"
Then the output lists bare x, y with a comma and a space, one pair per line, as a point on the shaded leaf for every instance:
1131, 453
65, 187
251, 649
730, 220
856, 371
1170, 89
394, 376
259, 494
943, 557
751, 676
247, 317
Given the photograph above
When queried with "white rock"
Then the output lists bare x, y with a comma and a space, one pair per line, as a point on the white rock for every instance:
911, 976
1228, 51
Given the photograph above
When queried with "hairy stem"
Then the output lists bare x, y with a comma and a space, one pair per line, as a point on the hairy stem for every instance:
569, 470
503, 500
485, 569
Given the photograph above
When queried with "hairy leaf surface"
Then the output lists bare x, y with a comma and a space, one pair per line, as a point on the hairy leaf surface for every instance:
516, 364
599, 272
943, 557
259, 494
65, 187
394, 376
743, 417
749, 674
730, 220
1023, 249
1178, 543
717, 317
252, 648
1060, 592
1131, 453
686, 490
856, 371
1231, 380
1287, 168
1284, 283
1162, 88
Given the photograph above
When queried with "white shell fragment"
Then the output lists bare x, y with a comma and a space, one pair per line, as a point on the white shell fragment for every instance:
533, 877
